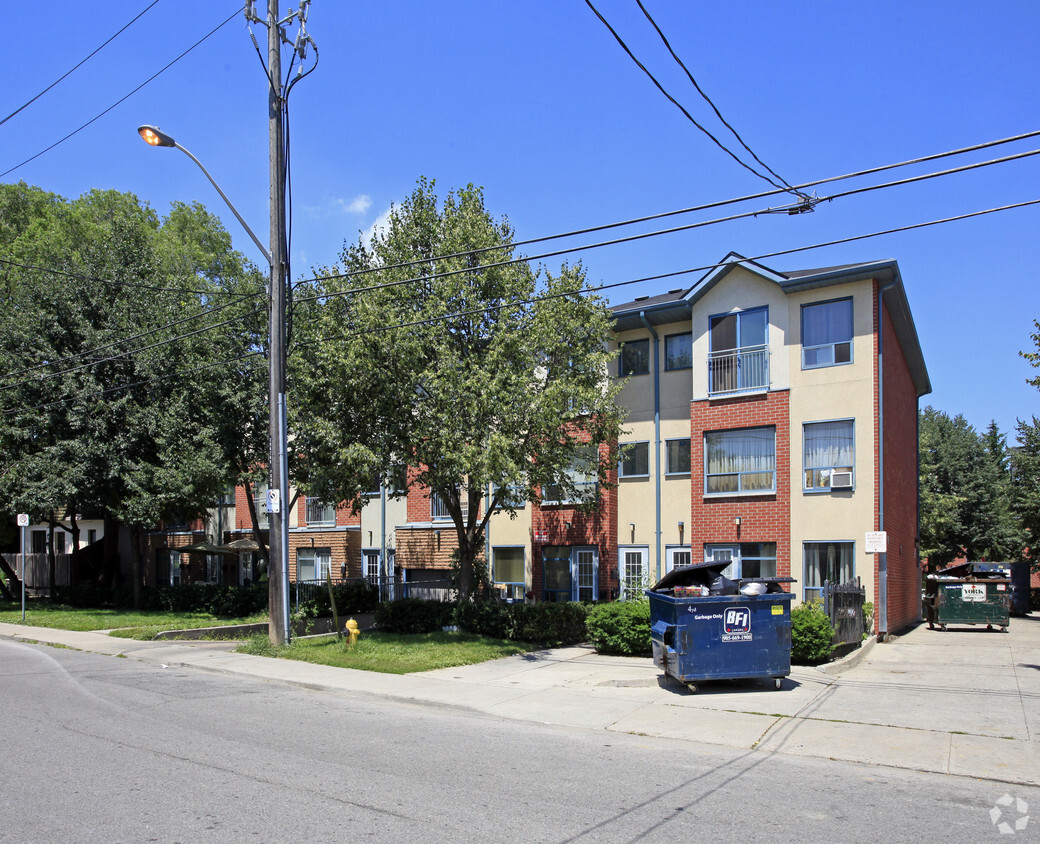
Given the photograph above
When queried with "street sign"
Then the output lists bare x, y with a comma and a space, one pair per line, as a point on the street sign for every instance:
877, 542
23, 520
274, 501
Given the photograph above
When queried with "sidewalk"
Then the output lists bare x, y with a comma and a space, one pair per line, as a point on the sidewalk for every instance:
963, 702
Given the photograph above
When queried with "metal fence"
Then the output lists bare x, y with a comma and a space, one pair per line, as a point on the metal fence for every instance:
843, 603
304, 591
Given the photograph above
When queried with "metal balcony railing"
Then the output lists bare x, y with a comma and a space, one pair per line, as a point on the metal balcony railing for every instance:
738, 370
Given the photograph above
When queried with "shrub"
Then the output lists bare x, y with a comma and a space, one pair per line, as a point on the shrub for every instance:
622, 628
485, 618
548, 625
414, 615
812, 637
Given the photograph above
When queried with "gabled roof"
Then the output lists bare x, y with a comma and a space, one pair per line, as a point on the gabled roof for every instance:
677, 305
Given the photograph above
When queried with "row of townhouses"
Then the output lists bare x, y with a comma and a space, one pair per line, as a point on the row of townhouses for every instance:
772, 426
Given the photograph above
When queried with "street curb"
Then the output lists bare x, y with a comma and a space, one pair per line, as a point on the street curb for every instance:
849, 660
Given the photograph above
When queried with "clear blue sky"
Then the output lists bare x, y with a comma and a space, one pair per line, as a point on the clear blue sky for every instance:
537, 103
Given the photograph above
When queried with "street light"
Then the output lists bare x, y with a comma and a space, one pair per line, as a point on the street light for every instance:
278, 492
156, 137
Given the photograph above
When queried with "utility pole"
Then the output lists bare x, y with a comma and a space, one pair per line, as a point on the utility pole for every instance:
278, 489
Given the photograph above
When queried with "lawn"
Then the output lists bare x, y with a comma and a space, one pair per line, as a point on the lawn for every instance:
138, 624
391, 653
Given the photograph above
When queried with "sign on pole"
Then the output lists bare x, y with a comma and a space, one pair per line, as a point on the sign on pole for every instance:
877, 542
23, 520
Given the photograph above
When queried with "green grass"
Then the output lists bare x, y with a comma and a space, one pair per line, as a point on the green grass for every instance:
141, 624
391, 653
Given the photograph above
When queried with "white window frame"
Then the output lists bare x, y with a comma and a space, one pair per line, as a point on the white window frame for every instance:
512, 590
677, 555
320, 564
810, 592
737, 554
328, 512
631, 587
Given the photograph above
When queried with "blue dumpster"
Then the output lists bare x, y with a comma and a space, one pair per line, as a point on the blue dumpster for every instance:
743, 630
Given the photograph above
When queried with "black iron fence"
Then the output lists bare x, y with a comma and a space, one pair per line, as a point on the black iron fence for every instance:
843, 603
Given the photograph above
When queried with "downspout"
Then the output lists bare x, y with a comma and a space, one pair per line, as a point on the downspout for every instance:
385, 575
883, 556
657, 442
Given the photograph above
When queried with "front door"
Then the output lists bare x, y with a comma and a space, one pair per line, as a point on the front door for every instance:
678, 556
632, 572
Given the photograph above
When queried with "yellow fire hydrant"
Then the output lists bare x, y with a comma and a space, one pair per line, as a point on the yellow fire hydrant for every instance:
352, 631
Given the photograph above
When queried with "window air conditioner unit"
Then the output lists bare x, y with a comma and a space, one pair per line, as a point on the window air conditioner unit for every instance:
841, 480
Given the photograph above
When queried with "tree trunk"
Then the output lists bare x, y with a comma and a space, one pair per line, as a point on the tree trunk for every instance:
110, 553
137, 566
255, 522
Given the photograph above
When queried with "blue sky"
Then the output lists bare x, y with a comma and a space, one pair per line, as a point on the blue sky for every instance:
537, 103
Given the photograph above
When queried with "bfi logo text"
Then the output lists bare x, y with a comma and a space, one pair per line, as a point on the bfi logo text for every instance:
738, 620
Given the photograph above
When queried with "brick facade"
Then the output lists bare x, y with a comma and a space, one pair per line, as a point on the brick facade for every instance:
763, 518
899, 445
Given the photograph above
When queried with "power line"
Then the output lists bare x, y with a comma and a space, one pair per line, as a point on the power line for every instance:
139, 336
645, 235
78, 66
688, 271
121, 99
130, 284
681, 211
707, 99
679, 106
545, 297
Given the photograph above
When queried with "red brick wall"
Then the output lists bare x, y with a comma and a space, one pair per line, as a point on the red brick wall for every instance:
344, 547
597, 529
426, 548
900, 481
762, 518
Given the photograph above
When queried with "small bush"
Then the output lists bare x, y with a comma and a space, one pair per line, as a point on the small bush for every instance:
812, 637
485, 618
549, 625
621, 628
414, 615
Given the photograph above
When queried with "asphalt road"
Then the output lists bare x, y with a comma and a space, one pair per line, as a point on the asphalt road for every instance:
96, 748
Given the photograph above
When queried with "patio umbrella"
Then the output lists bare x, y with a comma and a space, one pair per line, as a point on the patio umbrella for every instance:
204, 548
239, 545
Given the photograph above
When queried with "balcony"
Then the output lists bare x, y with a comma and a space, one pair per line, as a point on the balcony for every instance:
320, 514
738, 371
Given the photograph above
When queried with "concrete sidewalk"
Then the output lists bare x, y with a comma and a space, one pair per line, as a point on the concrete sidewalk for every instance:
963, 702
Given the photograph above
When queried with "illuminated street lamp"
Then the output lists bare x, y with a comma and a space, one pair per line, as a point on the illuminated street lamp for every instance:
278, 491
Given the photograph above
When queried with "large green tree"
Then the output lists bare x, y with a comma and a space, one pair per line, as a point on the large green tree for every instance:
486, 378
965, 492
126, 357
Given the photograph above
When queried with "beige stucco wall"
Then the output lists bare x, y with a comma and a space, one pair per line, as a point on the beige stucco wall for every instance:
637, 497
372, 521
502, 530
742, 290
826, 394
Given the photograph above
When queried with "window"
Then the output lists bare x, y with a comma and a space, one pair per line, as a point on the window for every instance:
826, 562
38, 542
263, 520
636, 460
312, 564
829, 448
513, 497
319, 513
635, 358
739, 357
59, 542
746, 560
678, 351
827, 333
439, 508
508, 572
677, 557
397, 481
633, 573
582, 477
556, 572
677, 456
91, 536
570, 574
740, 461
370, 562
370, 486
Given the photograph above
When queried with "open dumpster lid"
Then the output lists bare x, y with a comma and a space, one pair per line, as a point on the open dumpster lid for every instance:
981, 571
701, 574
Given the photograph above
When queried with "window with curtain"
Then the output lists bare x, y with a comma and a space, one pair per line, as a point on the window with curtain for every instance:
827, 447
827, 333
740, 461
678, 351
826, 562
508, 571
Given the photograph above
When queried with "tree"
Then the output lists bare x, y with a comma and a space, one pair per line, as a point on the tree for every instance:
123, 352
1025, 467
965, 492
485, 377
